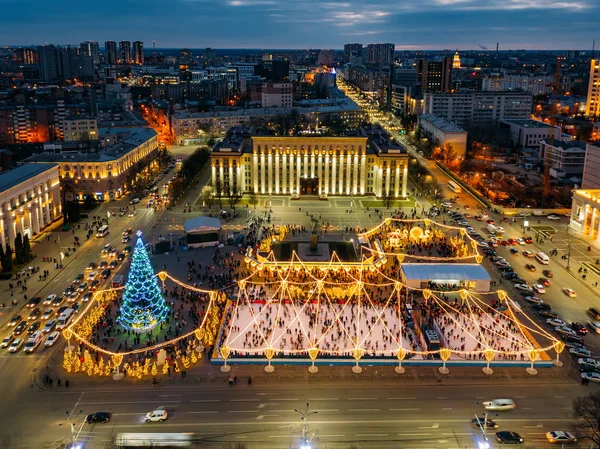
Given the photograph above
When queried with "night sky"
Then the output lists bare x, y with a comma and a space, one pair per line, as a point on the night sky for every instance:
410, 24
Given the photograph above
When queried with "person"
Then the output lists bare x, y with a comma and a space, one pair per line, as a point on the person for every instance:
249, 380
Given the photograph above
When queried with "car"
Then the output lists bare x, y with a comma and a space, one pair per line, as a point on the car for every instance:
513, 251
34, 327
483, 245
49, 299
135, 201
580, 352
506, 437
33, 302
122, 212
593, 313
113, 264
120, 257
548, 273
564, 330
594, 325
553, 217
103, 265
78, 278
539, 288
575, 339
156, 416
68, 291
127, 231
542, 306
504, 243
534, 299
569, 292
58, 301
132, 213
106, 248
113, 252
593, 362
499, 404
555, 322
47, 314
82, 287
531, 267
52, 338
528, 254
127, 250
545, 282
61, 309
478, 423
92, 266
125, 239
15, 320
20, 328
558, 436
523, 287
49, 327
520, 241
94, 284
98, 417
589, 369
579, 328
75, 307
7, 341
33, 342
15, 345
87, 296
528, 239
92, 275
35, 314
73, 297
547, 314
105, 274
513, 242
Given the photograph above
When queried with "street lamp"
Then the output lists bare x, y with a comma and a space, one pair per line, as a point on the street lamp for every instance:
568, 250
305, 444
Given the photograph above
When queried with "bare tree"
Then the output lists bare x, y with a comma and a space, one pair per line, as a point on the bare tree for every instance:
208, 196
219, 191
587, 410
234, 196
253, 199
388, 199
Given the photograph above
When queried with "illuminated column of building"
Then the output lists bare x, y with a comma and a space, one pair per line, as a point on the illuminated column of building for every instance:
355, 175
33, 218
312, 165
387, 180
348, 168
270, 172
320, 172
283, 174
593, 222
404, 180
2, 236
298, 172
221, 179
292, 179
255, 172
277, 174
11, 227
333, 161
306, 164
397, 183
363, 173
230, 177
263, 173
214, 175
46, 207
241, 181
378, 180
327, 174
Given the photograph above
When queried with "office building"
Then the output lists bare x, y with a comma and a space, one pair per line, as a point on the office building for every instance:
125, 52
365, 164
399, 100
405, 76
277, 95
80, 129
592, 106
531, 83
380, 54
435, 76
110, 52
92, 49
565, 158
442, 133
29, 200
478, 108
102, 169
352, 52
529, 133
138, 53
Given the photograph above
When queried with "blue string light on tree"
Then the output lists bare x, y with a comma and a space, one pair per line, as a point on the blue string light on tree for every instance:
144, 306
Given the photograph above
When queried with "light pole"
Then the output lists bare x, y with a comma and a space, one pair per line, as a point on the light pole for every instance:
568, 250
305, 444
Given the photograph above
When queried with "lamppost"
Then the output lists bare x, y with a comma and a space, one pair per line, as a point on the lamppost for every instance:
305, 444
568, 250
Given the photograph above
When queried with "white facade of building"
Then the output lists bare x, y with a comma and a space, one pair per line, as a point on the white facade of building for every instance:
80, 129
536, 85
444, 132
530, 133
29, 200
277, 95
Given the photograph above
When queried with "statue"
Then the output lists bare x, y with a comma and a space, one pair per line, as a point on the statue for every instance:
314, 237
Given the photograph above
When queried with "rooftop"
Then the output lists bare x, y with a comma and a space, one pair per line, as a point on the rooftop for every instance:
445, 272
442, 123
528, 123
21, 173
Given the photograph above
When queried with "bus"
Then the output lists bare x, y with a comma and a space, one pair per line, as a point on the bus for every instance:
154, 440
454, 187
102, 231
65, 319
542, 258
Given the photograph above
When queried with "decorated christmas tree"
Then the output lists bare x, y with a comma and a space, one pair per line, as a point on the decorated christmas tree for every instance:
144, 306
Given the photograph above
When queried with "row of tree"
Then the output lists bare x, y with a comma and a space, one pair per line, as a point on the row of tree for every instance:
22, 252
190, 168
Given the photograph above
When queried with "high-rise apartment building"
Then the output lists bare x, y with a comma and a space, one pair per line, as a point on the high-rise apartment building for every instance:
91, 48
57, 63
25, 56
380, 53
435, 76
352, 51
138, 53
325, 57
592, 106
125, 52
110, 52
278, 95
186, 56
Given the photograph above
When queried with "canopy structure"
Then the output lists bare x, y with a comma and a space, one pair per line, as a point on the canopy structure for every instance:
431, 275
202, 231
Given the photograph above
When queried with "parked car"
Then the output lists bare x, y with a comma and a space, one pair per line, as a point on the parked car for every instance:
594, 325
564, 330
579, 328
580, 352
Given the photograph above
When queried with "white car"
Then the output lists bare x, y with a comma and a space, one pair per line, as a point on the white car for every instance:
555, 322
106, 248
49, 327
500, 229
49, 299
523, 287
520, 241
135, 201
593, 362
483, 245
534, 300
528, 254
558, 436
92, 275
594, 325
569, 292
539, 288
52, 338
553, 217
47, 314
132, 213
15, 345
156, 416
500, 404
564, 330
7, 341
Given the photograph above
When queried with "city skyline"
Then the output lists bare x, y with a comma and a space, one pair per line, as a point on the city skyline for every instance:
432, 24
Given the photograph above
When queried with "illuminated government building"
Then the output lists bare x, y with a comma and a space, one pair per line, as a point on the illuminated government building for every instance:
365, 163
